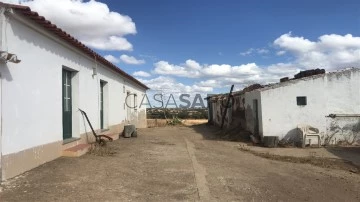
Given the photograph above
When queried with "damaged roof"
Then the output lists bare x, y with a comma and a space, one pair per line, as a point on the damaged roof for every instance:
40, 20
259, 87
294, 81
236, 93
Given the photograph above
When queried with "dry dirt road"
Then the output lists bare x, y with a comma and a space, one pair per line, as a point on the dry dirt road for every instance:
180, 164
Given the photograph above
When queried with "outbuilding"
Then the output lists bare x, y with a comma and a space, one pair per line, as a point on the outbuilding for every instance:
327, 102
326, 105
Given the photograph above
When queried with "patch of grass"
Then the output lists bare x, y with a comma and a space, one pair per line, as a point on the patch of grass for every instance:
104, 150
174, 121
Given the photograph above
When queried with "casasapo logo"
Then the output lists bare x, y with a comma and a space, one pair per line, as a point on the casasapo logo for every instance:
167, 101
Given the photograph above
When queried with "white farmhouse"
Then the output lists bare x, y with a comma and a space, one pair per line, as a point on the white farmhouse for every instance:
46, 76
329, 102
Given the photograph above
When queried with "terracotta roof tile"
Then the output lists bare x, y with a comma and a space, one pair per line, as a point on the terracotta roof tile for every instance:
40, 20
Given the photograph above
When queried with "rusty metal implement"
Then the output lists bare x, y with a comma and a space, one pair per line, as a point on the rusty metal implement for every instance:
227, 106
98, 138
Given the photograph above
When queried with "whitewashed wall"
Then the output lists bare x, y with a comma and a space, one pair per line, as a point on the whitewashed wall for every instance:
32, 89
281, 114
342, 91
332, 93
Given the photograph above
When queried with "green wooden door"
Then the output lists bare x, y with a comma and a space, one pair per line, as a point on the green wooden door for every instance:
66, 101
102, 84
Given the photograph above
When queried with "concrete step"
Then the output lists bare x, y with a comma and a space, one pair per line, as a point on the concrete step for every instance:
77, 150
71, 143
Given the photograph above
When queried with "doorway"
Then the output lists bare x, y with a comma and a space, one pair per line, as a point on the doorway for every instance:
256, 116
102, 84
66, 104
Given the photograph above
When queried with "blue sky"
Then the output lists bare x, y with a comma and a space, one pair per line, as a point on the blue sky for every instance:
206, 45
178, 30
216, 32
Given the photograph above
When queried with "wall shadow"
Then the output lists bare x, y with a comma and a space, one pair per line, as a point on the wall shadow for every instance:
5, 72
351, 154
211, 132
346, 138
292, 138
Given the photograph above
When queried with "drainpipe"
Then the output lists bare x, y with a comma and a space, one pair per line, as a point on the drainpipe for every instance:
343, 115
2, 17
95, 66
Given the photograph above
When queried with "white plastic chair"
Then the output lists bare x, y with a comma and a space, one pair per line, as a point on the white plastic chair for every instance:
308, 131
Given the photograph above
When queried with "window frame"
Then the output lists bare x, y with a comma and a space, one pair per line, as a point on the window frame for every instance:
301, 100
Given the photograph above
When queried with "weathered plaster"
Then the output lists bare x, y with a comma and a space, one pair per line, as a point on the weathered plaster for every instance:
16, 163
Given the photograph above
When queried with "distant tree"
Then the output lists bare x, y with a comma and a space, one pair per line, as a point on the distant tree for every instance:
183, 114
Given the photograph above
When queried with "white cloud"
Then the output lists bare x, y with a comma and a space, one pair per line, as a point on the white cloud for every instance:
91, 22
216, 70
223, 75
250, 51
282, 68
189, 69
280, 53
141, 74
167, 84
151, 57
171, 90
124, 58
335, 41
112, 59
12, 1
192, 69
262, 51
192, 64
210, 83
329, 51
131, 60
112, 43
294, 44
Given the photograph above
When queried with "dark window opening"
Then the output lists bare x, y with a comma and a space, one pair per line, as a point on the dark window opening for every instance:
301, 100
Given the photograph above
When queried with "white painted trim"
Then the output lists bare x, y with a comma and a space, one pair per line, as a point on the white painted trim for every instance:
51, 36
0, 126
105, 104
75, 95
2, 18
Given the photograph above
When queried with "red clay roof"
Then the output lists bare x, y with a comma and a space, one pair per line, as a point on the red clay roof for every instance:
40, 20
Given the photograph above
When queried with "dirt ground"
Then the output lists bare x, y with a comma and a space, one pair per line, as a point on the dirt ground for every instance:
180, 164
